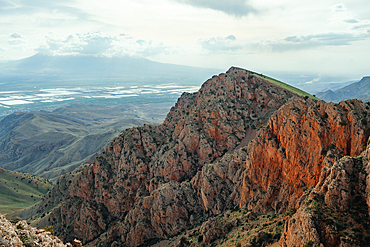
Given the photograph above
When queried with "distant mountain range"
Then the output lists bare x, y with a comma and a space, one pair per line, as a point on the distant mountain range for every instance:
44, 70
49, 144
358, 90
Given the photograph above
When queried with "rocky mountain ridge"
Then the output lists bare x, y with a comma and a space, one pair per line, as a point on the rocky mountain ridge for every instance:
240, 142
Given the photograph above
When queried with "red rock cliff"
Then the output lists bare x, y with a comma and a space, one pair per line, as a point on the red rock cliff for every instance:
302, 137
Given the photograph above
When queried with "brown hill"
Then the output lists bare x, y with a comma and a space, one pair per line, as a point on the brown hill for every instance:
225, 147
49, 144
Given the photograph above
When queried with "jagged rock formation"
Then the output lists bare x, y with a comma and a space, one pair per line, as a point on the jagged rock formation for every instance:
18, 234
336, 211
240, 141
301, 138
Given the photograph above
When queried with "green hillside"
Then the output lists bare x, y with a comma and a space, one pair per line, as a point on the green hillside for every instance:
287, 87
19, 190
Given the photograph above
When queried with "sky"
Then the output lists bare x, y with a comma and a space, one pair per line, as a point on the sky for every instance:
321, 37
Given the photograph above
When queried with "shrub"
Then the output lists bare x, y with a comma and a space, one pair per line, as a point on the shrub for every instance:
291, 211
20, 227
49, 229
15, 220
308, 244
343, 122
364, 121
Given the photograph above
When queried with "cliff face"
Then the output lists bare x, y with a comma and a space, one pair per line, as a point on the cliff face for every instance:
227, 145
301, 138
336, 211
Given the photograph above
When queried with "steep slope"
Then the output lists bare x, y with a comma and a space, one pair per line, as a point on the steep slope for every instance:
20, 190
49, 144
141, 163
288, 155
357, 90
241, 141
336, 211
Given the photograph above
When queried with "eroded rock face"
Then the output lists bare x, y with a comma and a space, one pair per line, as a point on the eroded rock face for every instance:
301, 138
226, 145
335, 212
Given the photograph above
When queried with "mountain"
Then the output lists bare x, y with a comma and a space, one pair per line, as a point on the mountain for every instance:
20, 190
357, 90
45, 71
246, 160
49, 144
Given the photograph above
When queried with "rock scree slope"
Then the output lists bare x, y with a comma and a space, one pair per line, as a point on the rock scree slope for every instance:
241, 141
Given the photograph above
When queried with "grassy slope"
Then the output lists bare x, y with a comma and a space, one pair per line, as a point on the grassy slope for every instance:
19, 190
285, 86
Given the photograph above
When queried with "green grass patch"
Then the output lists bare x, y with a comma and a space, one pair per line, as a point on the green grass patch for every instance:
19, 190
287, 87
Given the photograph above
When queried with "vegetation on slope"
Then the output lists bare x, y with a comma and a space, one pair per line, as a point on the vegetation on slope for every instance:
284, 85
49, 144
20, 190
235, 227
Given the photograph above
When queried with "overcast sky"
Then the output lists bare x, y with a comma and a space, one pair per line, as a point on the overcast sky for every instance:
324, 37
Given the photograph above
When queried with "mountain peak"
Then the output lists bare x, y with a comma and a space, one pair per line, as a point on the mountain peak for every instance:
242, 141
199, 130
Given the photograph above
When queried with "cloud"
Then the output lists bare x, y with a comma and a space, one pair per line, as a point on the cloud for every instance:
351, 21
16, 36
362, 26
28, 7
236, 8
315, 40
99, 44
340, 7
16, 42
16, 39
218, 44
87, 44
151, 50
127, 45
312, 81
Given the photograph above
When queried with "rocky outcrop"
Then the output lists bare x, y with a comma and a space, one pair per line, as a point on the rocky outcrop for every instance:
302, 137
19, 233
336, 211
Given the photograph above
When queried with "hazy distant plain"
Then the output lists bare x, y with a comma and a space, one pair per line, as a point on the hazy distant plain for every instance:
52, 98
